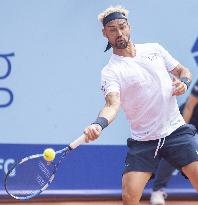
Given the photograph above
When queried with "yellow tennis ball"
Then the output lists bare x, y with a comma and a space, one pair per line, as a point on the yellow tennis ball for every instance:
49, 154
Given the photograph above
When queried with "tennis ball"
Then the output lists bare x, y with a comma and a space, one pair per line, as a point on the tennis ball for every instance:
49, 154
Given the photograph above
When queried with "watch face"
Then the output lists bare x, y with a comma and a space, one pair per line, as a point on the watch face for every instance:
186, 81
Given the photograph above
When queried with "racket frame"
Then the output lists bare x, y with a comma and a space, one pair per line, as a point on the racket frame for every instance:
61, 152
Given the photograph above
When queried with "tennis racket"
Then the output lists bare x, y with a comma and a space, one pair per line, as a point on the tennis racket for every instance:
31, 175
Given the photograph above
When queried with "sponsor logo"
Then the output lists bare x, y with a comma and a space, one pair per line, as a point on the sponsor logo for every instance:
6, 164
194, 50
6, 94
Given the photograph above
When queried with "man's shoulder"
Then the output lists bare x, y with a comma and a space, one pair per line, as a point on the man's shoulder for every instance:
111, 65
147, 45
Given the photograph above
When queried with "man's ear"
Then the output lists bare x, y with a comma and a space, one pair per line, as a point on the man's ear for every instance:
129, 27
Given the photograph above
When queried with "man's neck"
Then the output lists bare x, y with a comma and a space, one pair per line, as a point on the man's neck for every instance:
129, 51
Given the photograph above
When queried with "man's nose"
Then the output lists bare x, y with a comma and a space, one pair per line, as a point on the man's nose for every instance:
119, 32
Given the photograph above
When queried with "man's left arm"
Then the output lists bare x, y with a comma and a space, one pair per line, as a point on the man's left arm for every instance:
182, 79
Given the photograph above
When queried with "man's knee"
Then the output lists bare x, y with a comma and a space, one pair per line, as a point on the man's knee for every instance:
191, 171
133, 184
130, 198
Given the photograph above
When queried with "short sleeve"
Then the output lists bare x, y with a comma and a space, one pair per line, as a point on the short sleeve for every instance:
109, 82
195, 89
169, 61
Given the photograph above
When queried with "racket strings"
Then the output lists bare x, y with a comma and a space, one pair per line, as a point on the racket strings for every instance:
29, 177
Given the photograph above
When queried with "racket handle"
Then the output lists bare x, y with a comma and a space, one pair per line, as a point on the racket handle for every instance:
78, 142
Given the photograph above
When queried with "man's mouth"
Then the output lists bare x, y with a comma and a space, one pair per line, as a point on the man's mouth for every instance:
120, 40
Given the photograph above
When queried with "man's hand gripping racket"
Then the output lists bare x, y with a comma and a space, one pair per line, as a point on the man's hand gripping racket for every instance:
33, 174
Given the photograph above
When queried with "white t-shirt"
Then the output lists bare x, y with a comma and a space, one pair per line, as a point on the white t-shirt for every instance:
145, 88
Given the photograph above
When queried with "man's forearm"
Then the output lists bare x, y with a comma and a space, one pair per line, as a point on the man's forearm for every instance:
186, 73
109, 112
111, 107
180, 71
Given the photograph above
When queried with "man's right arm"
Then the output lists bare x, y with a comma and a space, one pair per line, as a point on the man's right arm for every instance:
108, 112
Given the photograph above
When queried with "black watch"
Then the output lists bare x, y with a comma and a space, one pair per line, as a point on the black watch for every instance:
186, 81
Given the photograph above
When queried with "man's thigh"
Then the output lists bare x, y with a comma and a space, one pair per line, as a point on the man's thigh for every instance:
140, 156
181, 148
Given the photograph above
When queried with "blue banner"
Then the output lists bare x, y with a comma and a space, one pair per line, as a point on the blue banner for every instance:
88, 170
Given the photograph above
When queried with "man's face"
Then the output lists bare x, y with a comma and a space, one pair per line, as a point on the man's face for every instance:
118, 33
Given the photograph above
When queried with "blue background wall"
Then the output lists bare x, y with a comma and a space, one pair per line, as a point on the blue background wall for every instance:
51, 55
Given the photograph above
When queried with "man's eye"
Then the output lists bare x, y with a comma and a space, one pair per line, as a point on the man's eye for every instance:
122, 27
112, 30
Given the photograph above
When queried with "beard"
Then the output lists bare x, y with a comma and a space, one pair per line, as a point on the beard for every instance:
121, 43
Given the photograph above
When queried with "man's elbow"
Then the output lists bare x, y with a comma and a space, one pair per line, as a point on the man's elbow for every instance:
116, 106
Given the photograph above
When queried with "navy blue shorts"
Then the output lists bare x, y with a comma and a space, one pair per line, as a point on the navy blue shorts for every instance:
180, 148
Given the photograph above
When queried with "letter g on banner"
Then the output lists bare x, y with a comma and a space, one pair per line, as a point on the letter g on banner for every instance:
194, 50
6, 95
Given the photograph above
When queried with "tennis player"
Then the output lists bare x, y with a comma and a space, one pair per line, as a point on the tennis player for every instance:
189, 111
145, 80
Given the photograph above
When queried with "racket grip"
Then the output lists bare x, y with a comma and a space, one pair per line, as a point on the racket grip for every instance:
78, 142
